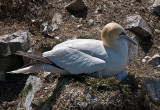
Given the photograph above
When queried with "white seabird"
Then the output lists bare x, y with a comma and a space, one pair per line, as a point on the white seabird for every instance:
93, 57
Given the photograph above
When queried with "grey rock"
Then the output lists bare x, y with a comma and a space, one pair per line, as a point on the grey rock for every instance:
76, 5
153, 88
155, 60
53, 25
157, 10
98, 10
35, 84
155, 7
137, 25
90, 22
132, 48
157, 31
10, 43
156, 3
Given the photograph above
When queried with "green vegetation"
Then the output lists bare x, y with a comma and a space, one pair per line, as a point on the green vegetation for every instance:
26, 90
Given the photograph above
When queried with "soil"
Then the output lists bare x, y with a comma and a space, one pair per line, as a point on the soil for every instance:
30, 14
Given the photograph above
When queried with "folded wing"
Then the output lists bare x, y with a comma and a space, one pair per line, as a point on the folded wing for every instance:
75, 61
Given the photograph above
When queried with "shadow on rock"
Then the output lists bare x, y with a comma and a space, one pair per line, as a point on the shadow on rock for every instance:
145, 43
51, 101
79, 14
12, 87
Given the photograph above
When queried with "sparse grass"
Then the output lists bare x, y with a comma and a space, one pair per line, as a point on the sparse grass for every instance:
26, 90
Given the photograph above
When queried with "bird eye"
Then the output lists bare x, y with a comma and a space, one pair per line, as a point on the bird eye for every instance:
123, 33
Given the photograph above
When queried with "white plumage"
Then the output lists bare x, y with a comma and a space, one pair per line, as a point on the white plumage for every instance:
93, 57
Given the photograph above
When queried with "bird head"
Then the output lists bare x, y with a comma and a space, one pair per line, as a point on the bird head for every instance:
113, 33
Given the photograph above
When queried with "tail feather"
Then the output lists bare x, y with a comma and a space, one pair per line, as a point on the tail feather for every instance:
37, 56
27, 70
39, 67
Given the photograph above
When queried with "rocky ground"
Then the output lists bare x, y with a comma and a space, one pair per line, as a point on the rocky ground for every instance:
48, 23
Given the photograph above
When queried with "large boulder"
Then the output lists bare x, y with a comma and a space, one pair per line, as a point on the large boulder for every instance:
9, 44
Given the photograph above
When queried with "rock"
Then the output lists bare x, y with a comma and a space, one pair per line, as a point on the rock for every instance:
157, 31
44, 26
88, 96
144, 60
132, 48
158, 47
56, 20
155, 60
155, 7
157, 10
137, 25
76, 5
79, 25
98, 10
50, 27
56, 37
156, 3
153, 88
10, 43
33, 84
90, 22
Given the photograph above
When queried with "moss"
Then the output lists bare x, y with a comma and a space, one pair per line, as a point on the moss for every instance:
26, 90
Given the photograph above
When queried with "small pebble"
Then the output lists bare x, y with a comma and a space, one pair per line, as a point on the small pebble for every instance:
90, 22
73, 16
88, 96
80, 25
143, 60
33, 20
57, 38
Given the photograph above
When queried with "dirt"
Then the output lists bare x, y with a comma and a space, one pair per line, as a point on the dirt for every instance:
30, 14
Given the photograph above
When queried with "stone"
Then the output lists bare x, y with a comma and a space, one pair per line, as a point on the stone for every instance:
137, 25
157, 31
157, 10
155, 7
76, 5
79, 25
156, 3
10, 43
98, 10
90, 22
152, 86
56, 20
132, 48
50, 27
155, 60
144, 60
33, 84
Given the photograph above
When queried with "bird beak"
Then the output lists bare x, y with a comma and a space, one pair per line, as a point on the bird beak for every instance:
123, 34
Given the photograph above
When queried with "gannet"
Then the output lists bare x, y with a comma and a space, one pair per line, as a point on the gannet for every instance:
92, 57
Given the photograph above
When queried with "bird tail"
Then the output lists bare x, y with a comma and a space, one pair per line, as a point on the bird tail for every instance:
27, 70
39, 67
